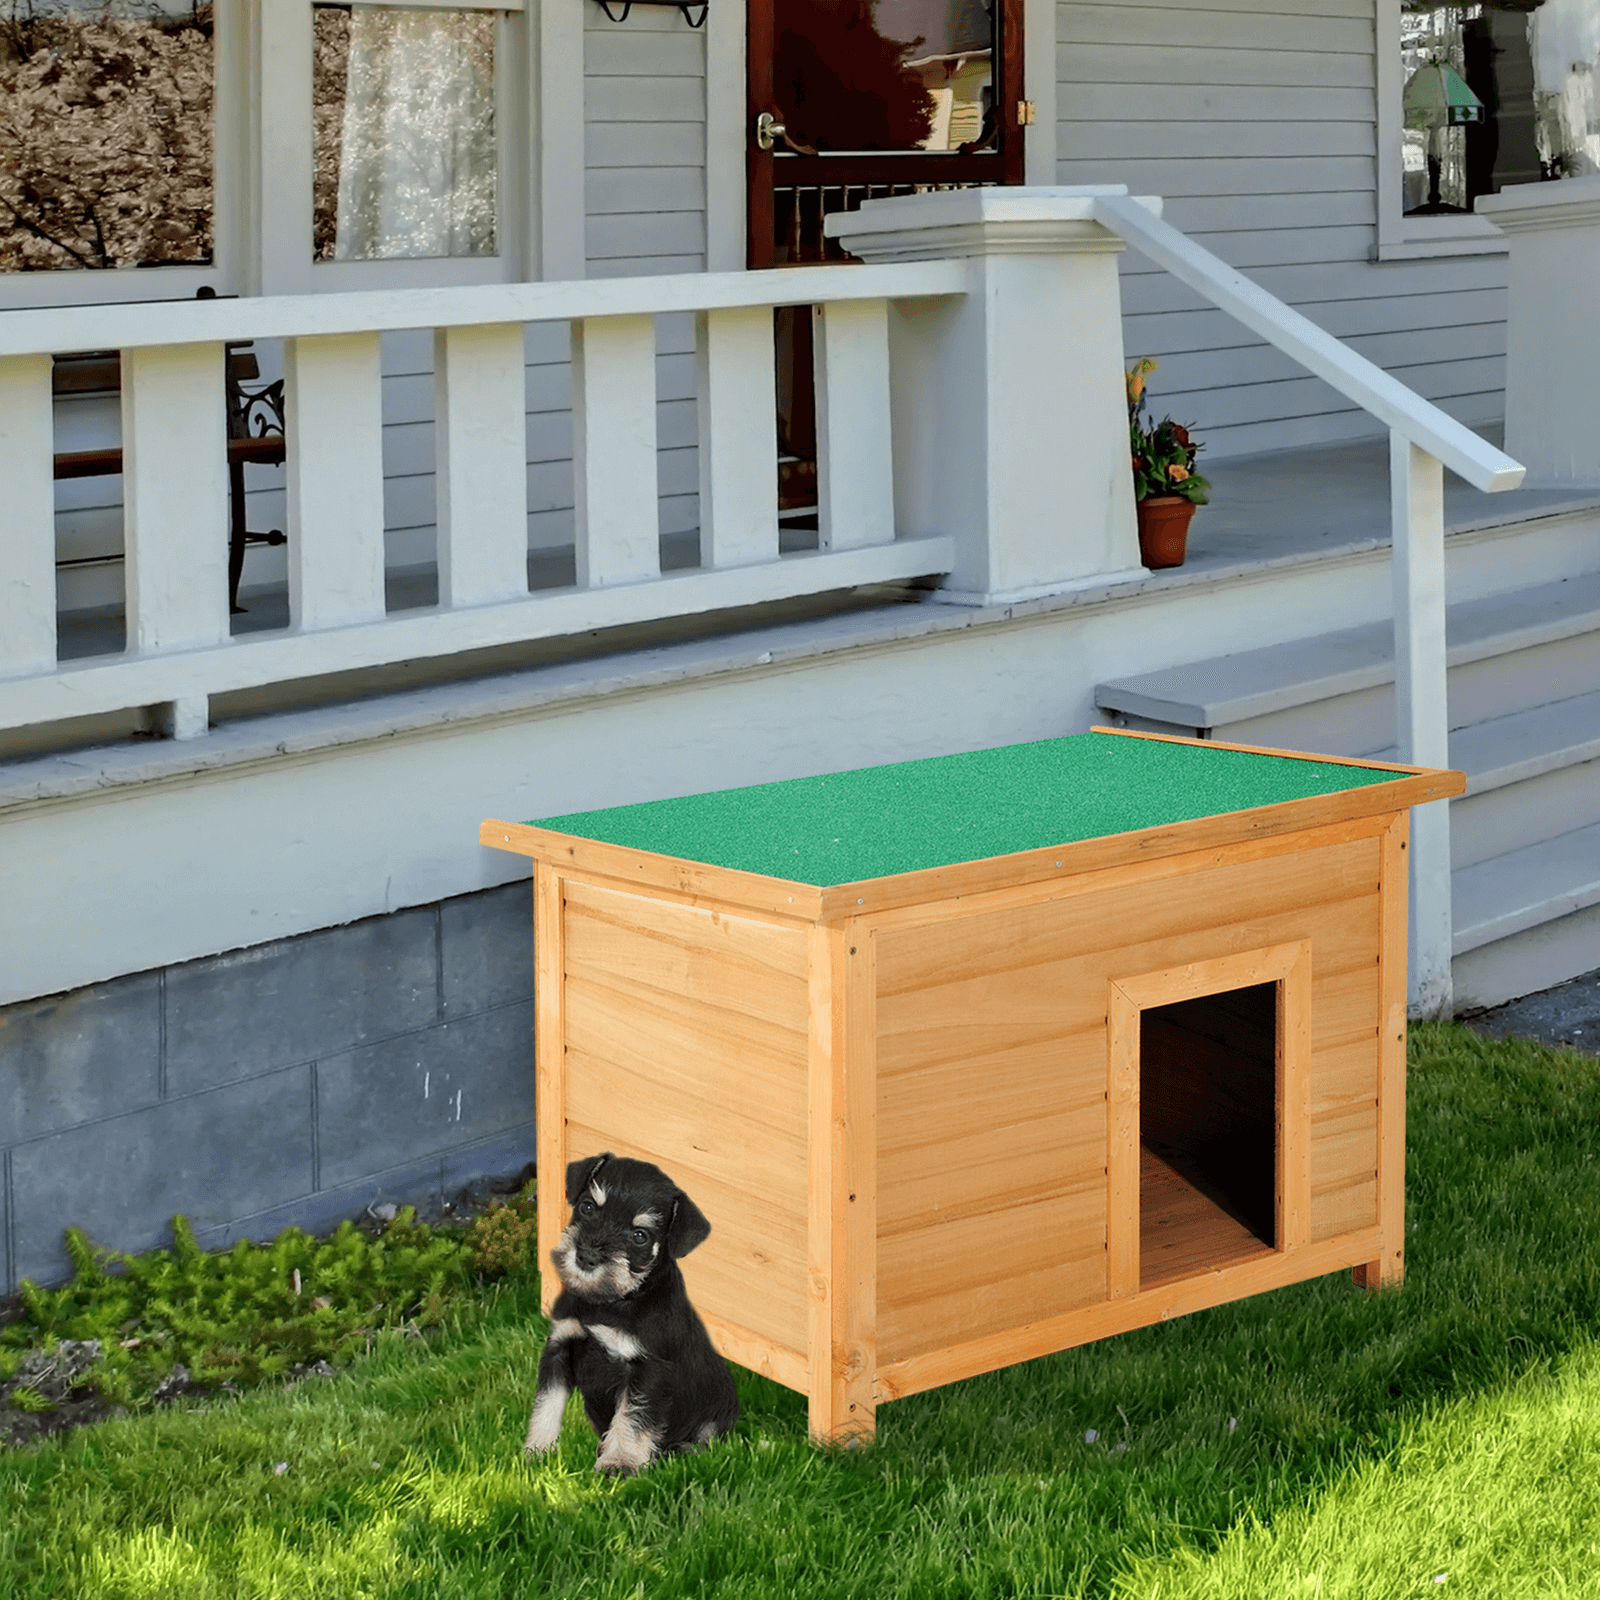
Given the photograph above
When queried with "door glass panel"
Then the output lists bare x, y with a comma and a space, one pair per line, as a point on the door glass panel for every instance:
1498, 93
105, 134
872, 75
406, 154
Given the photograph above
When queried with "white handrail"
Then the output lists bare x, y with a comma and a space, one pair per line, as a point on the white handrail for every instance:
1358, 379
1421, 437
170, 322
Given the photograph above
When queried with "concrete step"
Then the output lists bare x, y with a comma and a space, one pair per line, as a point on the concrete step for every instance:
1511, 893
1525, 715
1531, 775
1335, 692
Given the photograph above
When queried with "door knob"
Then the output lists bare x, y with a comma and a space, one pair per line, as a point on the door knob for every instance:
768, 130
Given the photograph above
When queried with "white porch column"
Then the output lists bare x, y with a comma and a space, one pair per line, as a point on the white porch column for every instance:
1010, 423
1552, 324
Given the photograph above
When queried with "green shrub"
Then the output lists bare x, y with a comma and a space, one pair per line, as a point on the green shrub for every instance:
245, 1314
505, 1239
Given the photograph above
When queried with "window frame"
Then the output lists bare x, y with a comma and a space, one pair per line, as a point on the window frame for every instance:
1403, 238
262, 174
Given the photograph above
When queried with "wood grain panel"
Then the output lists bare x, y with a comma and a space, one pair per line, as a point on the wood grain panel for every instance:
733, 963
1346, 1210
936, 1282
692, 1050
929, 1101
1000, 1014
1389, 1266
549, 999
1344, 1007
751, 1271
987, 1349
1028, 1005
778, 946
636, 1107
1343, 1073
1344, 1149
1033, 1157
948, 1315
952, 947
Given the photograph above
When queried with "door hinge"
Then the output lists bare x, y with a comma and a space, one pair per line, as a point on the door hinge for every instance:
1024, 113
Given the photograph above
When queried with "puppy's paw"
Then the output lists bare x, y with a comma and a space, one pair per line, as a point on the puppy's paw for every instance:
626, 1447
544, 1426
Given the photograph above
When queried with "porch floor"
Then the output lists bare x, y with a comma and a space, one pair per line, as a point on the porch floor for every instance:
1270, 510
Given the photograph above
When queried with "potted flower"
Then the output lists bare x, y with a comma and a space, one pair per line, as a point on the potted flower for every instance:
1166, 488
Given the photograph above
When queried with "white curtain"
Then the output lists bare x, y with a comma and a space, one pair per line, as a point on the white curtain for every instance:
417, 167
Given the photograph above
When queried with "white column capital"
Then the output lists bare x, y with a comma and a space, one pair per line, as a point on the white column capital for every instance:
1010, 416
980, 222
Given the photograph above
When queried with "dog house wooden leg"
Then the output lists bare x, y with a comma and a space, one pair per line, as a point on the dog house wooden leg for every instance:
1389, 1267
550, 1110
842, 1186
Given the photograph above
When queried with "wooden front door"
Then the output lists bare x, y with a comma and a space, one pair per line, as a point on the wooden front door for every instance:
858, 99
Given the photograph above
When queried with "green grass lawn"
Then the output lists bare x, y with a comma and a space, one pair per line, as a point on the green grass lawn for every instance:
1313, 1441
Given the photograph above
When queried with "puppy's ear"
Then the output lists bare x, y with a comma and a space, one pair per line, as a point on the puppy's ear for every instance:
688, 1227
580, 1172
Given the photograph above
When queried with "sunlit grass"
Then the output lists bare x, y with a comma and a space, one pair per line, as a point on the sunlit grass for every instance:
1251, 1450
1498, 1497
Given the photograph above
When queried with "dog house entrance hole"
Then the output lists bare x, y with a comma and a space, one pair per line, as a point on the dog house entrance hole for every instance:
1207, 1132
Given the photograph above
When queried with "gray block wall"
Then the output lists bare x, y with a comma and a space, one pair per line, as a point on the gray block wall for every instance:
294, 1082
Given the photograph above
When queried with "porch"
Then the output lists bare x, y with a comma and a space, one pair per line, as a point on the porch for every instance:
1296, 547
971, 511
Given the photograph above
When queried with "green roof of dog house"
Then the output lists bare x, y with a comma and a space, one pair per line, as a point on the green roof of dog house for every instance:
907, 816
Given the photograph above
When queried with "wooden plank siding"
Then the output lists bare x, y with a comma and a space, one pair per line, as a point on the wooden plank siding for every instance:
992, 1112
686, 1031
1256, 123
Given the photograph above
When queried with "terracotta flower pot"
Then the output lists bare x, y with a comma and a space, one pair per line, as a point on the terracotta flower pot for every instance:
1164, 529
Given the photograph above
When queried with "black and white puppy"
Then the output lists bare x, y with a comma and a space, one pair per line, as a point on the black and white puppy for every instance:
622, 1331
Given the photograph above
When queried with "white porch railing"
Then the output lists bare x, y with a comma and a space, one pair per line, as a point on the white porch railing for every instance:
175, 491
1423, 440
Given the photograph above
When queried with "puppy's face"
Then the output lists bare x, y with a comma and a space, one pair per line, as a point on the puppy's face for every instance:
626, 1215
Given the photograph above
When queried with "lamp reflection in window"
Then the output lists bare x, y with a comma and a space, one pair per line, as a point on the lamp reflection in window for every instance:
1532, 66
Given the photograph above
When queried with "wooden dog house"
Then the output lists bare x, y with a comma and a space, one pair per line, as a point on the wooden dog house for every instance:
976, 1058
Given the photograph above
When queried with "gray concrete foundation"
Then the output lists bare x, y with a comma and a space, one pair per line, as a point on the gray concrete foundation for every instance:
292, 1082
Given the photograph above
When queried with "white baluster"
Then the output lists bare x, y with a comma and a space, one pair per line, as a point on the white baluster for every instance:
1422, 717
855, 464
175, 496
614, 450
175, 511
738, 437
27, 515
480, 450
333, 419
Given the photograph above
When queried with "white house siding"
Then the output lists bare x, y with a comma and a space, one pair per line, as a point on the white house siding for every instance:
1257, 124
645, 200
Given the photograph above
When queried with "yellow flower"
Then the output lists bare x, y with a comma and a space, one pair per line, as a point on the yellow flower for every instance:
1136, 377
1177, 473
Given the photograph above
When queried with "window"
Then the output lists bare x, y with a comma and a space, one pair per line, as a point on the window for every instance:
106, 134
1479, 97
285, 147
406, 155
